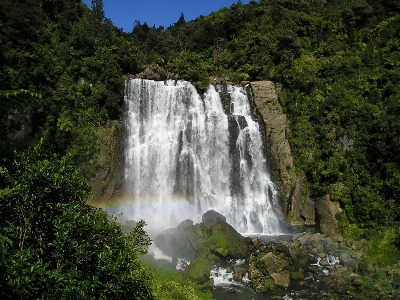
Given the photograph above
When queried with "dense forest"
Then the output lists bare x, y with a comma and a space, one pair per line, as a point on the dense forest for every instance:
62, 72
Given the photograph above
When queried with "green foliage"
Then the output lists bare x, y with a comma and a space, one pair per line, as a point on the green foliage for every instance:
168, 283
269, 284
54, 245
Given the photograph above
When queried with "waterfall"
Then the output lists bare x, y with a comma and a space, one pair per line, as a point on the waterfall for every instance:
184, 155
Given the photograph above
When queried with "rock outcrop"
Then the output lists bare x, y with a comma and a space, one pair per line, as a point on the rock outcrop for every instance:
213, 235
326, 211
297, 206
203, 244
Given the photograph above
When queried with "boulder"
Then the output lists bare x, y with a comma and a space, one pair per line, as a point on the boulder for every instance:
127, 226
178, 242
226, 241
347, 260
327, 210
189, 241
254, 273
199, 270
281, 279
273, 263
213, 218
238, 274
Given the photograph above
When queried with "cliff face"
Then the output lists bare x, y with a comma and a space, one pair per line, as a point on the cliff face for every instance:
298, 207
107, 184
265, 95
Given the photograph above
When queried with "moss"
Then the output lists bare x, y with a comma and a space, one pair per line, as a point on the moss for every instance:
274, 263
381, 275
269, 284
226, 241
316, 244
218, 241
396, 280
199, 270
297, 275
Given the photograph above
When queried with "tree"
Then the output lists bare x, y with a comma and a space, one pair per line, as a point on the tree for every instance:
181, 20
54, 245
97, 9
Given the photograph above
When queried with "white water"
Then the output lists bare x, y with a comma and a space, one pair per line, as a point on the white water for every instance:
221, 277
178, 161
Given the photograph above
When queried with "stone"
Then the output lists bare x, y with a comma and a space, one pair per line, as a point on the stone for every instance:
273, 263
107, 184
175, 244
127, 226
347, 260
327, 210
265, 96
304, 239
254, 273
281, 279
238, 274
255, 242
357, 281
297, 275
226, 241
198, 270
213, 218
300, 207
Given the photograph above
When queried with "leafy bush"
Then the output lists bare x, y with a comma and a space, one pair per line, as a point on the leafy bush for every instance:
54, 245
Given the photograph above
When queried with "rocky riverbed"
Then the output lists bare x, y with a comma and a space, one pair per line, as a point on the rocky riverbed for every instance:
301, 266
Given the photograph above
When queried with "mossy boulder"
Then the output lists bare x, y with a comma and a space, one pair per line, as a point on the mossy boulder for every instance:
213, 237
199, 270
227, 242
273, 263
213, 218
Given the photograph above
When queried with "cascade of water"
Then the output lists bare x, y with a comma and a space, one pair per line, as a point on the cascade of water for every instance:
179, 160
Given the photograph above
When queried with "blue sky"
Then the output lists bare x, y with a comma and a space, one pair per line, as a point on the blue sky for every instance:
123, 13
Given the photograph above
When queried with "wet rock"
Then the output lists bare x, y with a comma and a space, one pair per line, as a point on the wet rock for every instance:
226, 241
213, 218
297, 275
256, 242
174, 243
198, 270
127, 226
302, 283
265, 95
238, 274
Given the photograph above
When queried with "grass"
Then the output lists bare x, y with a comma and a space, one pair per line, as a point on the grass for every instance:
168, 283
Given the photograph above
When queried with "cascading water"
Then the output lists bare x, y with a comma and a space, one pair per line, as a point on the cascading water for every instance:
181, 158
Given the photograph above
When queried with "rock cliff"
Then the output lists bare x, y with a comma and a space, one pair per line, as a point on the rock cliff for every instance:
298, 207
107, 184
